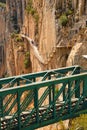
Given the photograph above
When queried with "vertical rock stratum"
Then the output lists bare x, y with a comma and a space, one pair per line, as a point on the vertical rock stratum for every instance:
58, 29
2, 37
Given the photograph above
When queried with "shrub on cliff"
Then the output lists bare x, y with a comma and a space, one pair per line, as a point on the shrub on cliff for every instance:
16, 37
79, 123
63, 20
29, 8
32, 11
3, 5
27, 60
69, 12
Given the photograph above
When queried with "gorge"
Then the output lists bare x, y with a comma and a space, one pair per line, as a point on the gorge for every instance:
58, 29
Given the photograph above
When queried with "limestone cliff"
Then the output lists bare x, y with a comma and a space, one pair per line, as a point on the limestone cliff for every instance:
18, 56
2, 38
80, 49
57, 30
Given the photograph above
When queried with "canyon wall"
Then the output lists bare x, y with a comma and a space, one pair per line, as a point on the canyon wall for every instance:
18, 56
49, 33
56, 41
2, 39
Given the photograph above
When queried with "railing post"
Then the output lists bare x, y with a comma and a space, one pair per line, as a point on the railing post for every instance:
85, 87
77, 92
50, 88
49, 95
64, 91
1, 111
1, 107
1, 104
53, 100
19, 110
34, 80
69, 97
36, 104
18, 82
0, 122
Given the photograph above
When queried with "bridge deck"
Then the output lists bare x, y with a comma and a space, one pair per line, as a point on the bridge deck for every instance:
58, 95
13, 121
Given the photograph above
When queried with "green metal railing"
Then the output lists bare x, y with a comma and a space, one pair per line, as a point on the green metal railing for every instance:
36, 103
33, 77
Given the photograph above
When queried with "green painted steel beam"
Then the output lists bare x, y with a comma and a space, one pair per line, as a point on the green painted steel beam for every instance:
38, 74
41, 115
42, 84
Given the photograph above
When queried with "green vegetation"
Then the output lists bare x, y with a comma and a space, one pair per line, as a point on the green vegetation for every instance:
6, 76
29, 6
3, 5
69, 12
62, 125
79, 123
13, 35
63, 20
16, 37
31, 10
27, 60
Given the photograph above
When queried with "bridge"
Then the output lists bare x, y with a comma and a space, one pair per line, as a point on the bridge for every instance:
31, 101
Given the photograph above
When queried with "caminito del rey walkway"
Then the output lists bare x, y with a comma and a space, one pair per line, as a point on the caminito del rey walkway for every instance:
31, 101
32, 44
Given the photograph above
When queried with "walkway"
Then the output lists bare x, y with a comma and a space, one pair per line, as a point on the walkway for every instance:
32, 44
24, 107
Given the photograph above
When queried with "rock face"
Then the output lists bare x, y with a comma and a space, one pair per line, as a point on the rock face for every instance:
76, 55
80, 49
48, 29
2, 39
18, 57
42, 20
15, 14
